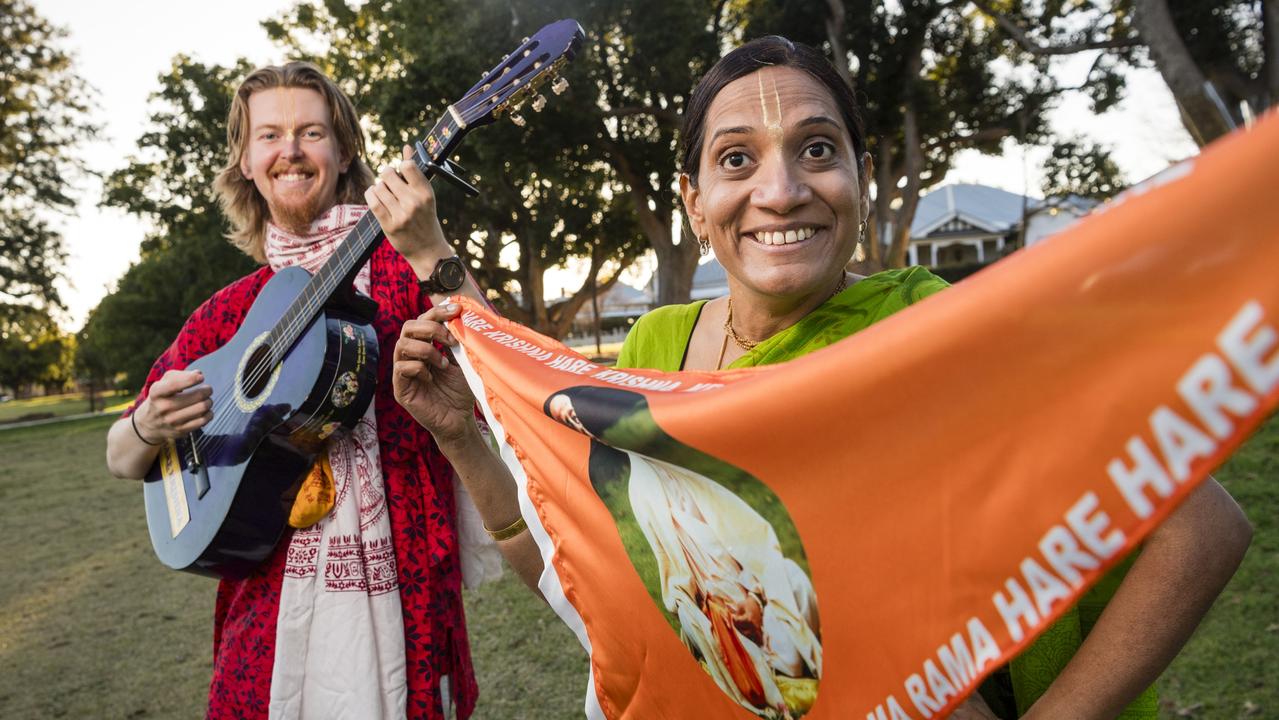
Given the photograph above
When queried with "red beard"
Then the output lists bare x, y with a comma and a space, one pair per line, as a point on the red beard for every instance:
296, 213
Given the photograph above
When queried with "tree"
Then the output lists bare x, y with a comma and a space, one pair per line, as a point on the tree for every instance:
43, 118
936, 78
1216, 56
547, 197
92, 361
186, 258
32, 349
1079, 167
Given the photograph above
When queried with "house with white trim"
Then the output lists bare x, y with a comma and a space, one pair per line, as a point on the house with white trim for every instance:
969, 225
965, 225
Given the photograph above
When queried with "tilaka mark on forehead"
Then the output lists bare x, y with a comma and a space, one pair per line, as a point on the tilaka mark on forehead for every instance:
772, 124
290, 125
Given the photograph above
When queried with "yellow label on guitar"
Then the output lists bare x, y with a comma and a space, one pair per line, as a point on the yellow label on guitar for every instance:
175, 492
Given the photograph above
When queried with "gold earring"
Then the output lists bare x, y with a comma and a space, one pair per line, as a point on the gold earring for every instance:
859, 252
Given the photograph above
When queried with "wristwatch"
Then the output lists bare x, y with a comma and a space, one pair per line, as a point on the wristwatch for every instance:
448, 275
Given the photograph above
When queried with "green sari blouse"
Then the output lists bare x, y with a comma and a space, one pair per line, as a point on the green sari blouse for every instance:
659, 341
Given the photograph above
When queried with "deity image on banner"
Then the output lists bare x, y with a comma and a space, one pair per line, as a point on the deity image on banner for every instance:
715, 548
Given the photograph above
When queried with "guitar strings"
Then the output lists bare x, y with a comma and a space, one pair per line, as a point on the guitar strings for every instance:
299, 317
300, 313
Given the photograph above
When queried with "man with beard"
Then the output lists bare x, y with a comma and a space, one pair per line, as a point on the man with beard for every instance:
357, 612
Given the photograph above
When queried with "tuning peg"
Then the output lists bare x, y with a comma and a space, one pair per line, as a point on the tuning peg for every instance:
560, 85
539, 102
518, 119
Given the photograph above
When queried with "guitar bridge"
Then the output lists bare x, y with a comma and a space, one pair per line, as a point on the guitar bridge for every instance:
195, 465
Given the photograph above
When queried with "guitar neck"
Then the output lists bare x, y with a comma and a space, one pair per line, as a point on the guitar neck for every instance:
339, 271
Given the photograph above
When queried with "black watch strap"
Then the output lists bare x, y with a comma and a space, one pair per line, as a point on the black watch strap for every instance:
449, 275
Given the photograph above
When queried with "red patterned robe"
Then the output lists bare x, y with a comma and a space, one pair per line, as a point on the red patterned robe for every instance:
419, 495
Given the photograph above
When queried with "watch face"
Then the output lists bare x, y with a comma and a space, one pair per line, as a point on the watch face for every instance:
452, 274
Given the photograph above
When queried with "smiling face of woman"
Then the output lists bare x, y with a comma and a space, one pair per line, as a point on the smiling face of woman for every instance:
779, 193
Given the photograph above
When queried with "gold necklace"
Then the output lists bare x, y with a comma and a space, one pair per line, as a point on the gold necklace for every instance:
730, 333
748, 345
719, 364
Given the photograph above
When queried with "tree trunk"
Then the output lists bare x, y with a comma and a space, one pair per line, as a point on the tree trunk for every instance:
1184, 78
1270, 52
676, 265
885, 188
568, 310
913, 160
834, 36
595, 306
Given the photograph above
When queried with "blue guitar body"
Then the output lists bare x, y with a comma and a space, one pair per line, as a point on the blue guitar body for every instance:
218, 500
303, 364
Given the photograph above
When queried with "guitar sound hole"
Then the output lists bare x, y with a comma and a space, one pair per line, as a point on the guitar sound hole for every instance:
257, 371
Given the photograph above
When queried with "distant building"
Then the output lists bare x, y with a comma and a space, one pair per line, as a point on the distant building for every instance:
709, 281
619, 308
1055, 214
966, 226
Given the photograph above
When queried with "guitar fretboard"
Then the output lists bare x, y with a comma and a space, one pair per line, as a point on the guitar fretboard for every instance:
355, 250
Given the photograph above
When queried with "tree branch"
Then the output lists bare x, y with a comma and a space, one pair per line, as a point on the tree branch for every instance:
1029, 44
650, 223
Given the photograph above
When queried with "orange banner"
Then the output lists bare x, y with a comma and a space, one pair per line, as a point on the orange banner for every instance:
869, 530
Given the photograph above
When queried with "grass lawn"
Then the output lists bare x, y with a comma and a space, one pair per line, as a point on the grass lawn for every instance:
58, 405
91, 626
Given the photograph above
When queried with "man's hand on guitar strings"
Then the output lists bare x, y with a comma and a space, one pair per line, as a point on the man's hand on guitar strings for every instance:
403, 202
177, 405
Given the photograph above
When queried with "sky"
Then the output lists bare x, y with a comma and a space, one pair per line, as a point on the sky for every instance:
121, 49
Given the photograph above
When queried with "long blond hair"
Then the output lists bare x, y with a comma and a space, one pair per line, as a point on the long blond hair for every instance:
241, 202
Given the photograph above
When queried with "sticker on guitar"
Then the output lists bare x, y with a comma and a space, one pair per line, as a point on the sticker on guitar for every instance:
175, 492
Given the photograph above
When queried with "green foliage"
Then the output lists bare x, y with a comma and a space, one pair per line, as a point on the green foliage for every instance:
1233, 47
1214, 675
43, 118
32, 349
546, 196
87, 591
591, 176
186, 258
78, 610
44, 407
936, 78
1228, 43
1079, 167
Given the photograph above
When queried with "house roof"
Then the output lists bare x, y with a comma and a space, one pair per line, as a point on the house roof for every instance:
1076, 203
985, 207
622, 294
709, 274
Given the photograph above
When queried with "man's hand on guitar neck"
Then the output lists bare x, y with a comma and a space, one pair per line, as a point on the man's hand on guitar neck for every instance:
403, 202
177, 405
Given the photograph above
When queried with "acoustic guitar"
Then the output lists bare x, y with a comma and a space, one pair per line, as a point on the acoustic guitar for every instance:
303, 364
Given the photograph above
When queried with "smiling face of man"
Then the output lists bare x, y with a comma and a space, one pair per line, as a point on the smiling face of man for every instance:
292, 155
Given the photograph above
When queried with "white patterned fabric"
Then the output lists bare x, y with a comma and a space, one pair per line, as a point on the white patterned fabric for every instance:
340, 633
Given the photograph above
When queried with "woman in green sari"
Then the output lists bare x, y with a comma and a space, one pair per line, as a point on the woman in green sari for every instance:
774, 181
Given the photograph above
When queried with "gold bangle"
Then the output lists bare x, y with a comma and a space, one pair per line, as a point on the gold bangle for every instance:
509, 531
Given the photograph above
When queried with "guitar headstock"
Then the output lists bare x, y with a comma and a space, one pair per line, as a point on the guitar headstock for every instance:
513, 81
